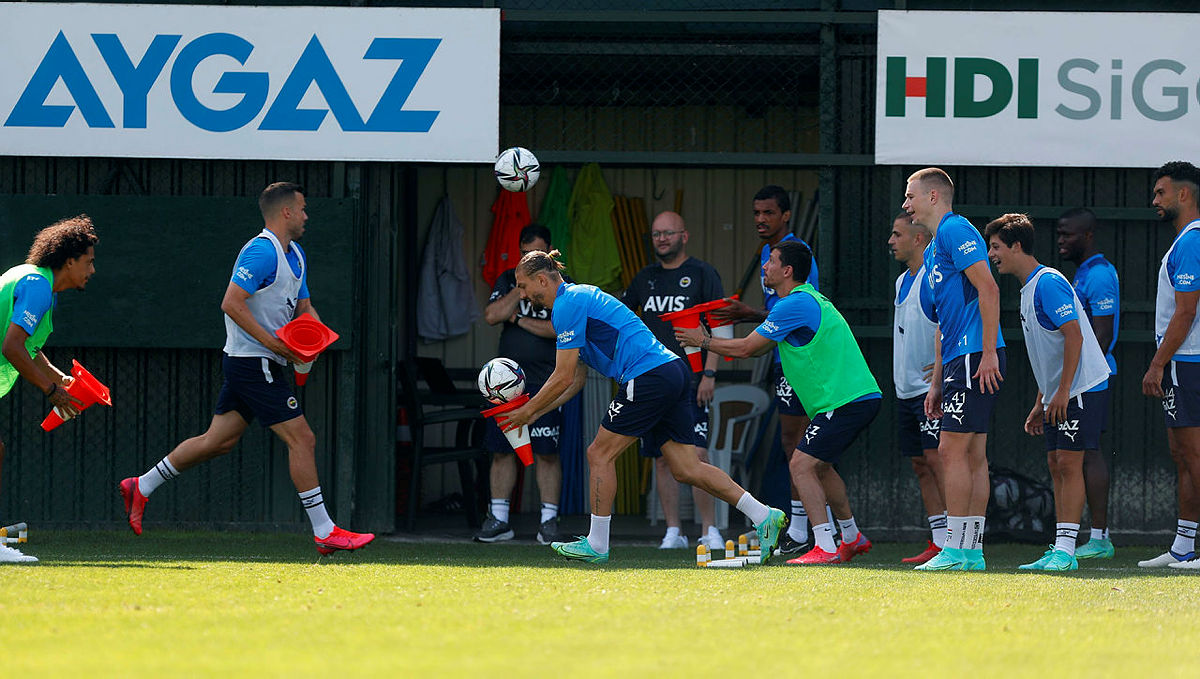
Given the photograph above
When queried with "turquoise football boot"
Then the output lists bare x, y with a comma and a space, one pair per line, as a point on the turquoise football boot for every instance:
1040, 564
580, 550
975, 560
1096, 549
1061, 561
768, 532
949, 559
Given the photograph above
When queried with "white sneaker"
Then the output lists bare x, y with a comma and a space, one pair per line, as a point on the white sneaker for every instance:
11, 555
1168, 559
1193, 565
713, 541
674, 542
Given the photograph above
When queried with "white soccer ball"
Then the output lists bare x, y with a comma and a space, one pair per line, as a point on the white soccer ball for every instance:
517, 169
501, 380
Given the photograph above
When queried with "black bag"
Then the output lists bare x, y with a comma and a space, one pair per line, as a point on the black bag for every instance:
1020, 509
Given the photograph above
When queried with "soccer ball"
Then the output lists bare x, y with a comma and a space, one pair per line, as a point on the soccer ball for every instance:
501, 380
517, 169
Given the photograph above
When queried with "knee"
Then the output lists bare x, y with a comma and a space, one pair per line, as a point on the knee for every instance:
306, 441
920, 467
599, 455
803, 464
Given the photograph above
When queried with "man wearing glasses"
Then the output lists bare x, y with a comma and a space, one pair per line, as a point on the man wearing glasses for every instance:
677, 282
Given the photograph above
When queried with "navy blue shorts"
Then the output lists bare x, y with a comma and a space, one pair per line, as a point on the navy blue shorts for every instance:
786, 401
257, 387
966, 408
1081, 429
830, 434
651, 445
915, 432
654, 404
543, 435
1181, 394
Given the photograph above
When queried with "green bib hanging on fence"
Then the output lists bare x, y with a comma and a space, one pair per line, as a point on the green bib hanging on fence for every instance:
8, 286
830, 370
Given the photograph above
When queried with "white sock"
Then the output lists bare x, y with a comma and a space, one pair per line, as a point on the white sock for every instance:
549, 511
974, 527
163, 471
849, 529
1185, 537
672, 531
798, 528
1097, 534
756, 511
499, 508
823, 537
598, 535
1065, 537
937, 529
956, 532
314, 504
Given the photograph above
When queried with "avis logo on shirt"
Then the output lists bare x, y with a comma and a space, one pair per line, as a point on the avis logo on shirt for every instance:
662, 303
566, 336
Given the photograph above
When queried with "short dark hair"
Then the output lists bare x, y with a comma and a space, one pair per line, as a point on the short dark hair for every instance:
537, 262
776, 193
534, 231
795, 254
1181, 171
1013, 227
65, 239
1085, 217
935, 178
274, 196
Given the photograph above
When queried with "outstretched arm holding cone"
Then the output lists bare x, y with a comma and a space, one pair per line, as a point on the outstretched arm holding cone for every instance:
568, 379
753, 344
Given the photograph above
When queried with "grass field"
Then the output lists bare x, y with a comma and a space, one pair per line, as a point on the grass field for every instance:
252, 604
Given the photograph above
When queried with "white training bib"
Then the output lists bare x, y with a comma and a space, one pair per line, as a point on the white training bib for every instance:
1164, 304
913, 335
272, 306
1045, 347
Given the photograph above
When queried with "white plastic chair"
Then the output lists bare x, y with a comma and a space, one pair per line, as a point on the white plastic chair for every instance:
735, 415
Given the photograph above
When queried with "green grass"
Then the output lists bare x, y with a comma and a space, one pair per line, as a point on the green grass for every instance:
173, 604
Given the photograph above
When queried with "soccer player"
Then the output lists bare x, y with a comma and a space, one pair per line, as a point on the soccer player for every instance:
677, 282
62, 257
823, 363
772, 213
1098, 288
267, 289
914, 330
969, 364
652, 399
1070, 371
528, 339
1174, 372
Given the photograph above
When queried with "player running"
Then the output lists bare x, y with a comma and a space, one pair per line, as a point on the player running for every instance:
823, 363
1071, 373
593, 327
914, 330
268, 288
969, 364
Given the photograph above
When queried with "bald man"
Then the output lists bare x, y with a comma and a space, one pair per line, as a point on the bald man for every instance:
677, 281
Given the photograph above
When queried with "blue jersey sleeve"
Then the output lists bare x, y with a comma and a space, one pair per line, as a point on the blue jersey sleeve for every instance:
1054, 301
964, 243
795, 319
1183, 266
569, 318
32, 298
1103, 291
256, 265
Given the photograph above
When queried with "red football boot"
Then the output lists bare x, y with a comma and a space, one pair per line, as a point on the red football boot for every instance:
135, 503
931, 551
342, 540
849, 550
817, 556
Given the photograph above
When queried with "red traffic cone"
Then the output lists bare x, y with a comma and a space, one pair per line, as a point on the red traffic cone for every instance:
85, 388
307, 338
517, 438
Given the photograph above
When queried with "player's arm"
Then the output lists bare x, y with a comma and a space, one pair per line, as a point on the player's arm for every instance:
988, 373
933, 398
14, 350
536, 326
234, 306
1072, 347
738, 311
753, 344
1176, 332
1102, 326
567, 379
305, 306
502, 308
1035, 423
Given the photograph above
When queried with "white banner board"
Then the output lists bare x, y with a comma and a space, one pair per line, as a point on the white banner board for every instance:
286, 83
1037, 88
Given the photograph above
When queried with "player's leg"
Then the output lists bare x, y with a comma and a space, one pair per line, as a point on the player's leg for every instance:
548, 468
220, 438
710, 535
668, 498
806, 479
602, 470
791, 429
501, 478
925, 468
1181, 412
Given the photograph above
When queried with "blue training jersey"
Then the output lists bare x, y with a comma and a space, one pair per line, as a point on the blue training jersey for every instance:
956, 246
1183, 270
255, 268
610, 337
1099, 289
770, 298
1054, 306
32, 298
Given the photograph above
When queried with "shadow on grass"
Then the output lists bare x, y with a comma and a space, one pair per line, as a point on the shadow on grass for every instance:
113, 564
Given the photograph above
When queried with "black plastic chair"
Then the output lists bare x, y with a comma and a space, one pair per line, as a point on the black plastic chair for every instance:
434, 408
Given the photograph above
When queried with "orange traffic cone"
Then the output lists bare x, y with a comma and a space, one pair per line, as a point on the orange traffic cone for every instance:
517, 438
85, 388
307, 338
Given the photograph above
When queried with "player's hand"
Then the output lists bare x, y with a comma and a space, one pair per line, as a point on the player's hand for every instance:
736, 311
277, 346
988, 375
1035, 423
1152, 381
704, 392
1057, 410
67, 405
933, 403
689, 337
928, 373
515, 419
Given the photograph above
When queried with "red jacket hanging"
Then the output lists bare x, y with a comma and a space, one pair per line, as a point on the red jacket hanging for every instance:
510, 214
